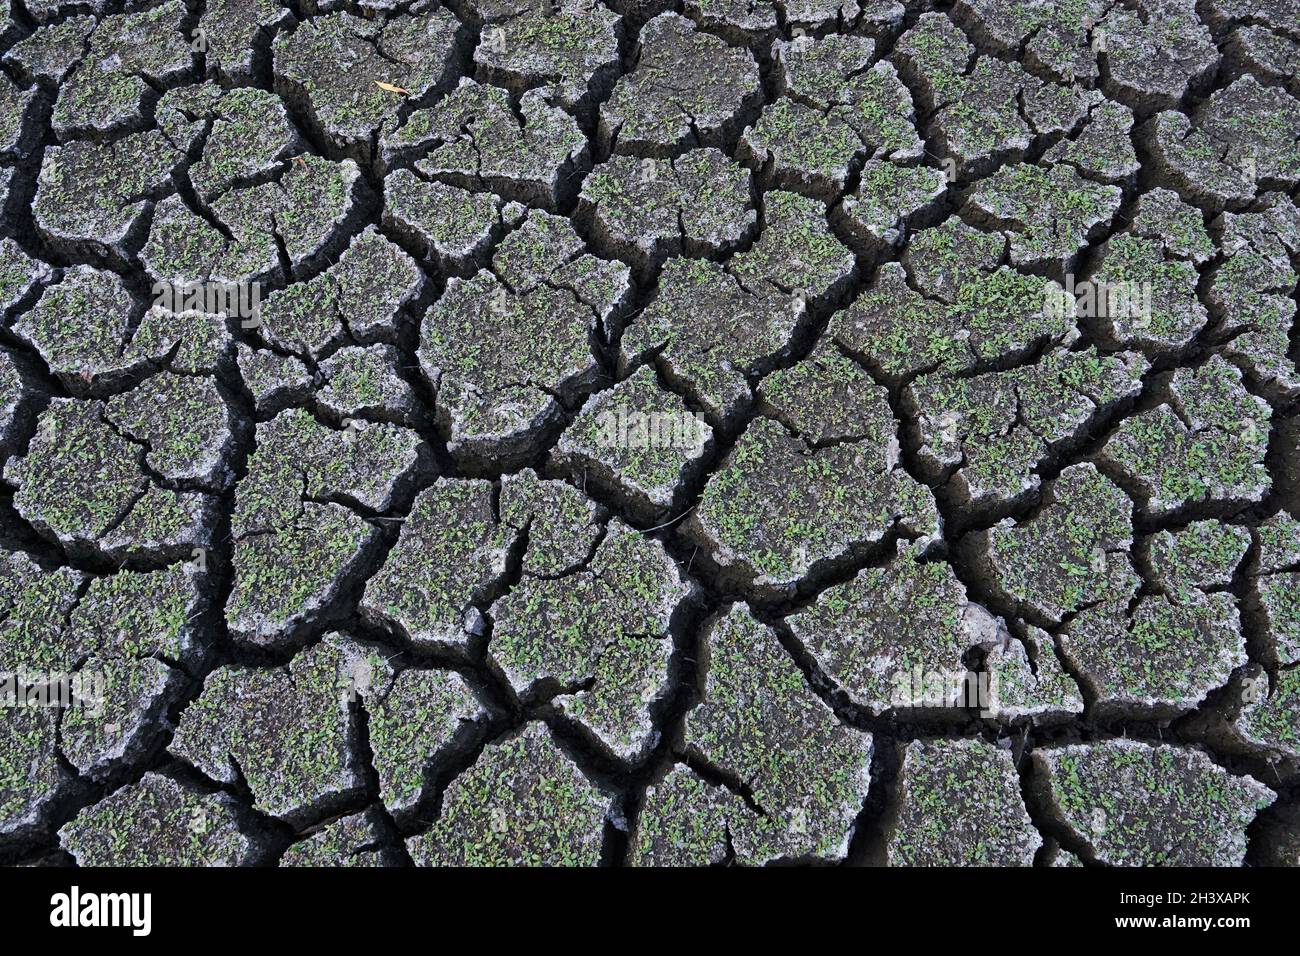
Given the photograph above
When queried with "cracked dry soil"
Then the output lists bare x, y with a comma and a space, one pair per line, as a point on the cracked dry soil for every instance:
367, 581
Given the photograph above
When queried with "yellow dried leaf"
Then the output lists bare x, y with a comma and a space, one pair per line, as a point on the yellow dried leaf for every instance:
391, 88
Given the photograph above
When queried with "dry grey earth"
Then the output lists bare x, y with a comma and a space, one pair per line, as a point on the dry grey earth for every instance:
368, 582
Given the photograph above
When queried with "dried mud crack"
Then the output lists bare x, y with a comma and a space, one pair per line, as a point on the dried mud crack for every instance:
650, 433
